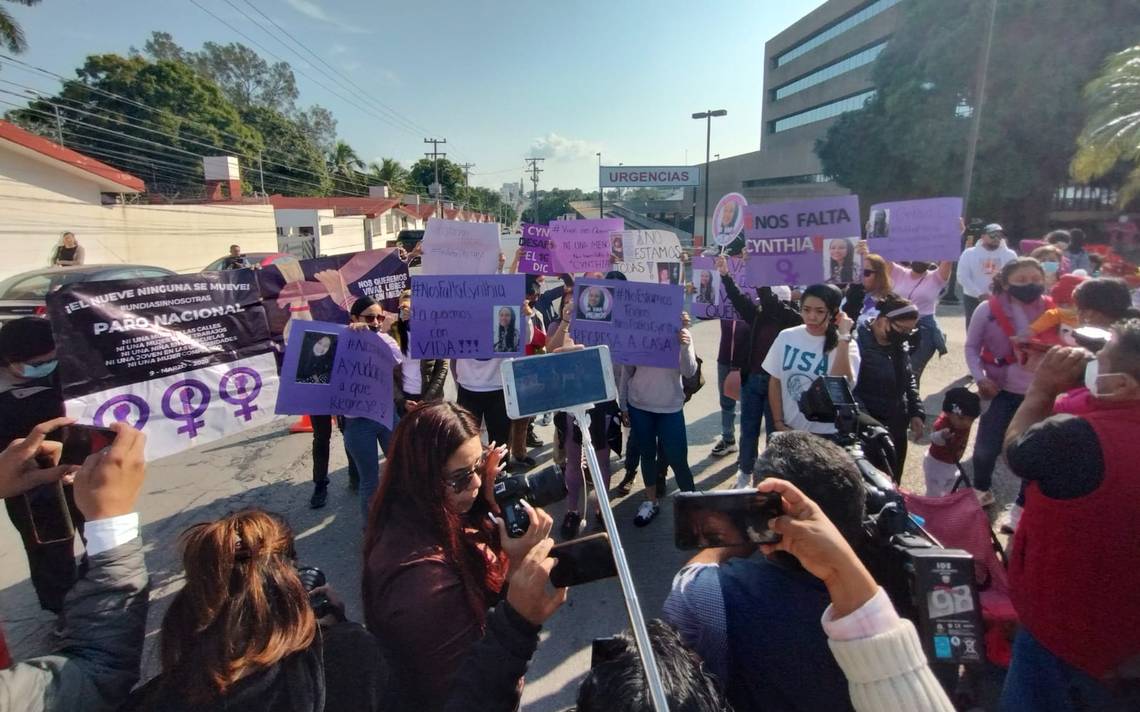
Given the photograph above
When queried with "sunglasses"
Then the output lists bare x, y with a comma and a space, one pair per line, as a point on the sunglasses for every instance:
372, 318
459, 480
870, 272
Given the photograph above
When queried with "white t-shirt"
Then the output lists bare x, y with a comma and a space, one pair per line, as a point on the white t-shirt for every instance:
413, 379
797, 359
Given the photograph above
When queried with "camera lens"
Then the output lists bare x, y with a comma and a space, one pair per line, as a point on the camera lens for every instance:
311, 577
546, 487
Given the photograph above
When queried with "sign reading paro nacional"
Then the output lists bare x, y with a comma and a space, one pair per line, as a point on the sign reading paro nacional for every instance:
649, 176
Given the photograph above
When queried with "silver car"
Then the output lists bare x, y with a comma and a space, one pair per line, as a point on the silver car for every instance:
25, 294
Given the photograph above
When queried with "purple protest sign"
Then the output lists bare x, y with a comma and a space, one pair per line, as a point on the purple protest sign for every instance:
819, 217
467, 316
637, 320
916, 229
537, 250
330, 369
791, 268
583, 245
710, 301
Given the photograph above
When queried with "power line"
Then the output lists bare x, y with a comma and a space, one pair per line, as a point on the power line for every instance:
534, 170
436, 187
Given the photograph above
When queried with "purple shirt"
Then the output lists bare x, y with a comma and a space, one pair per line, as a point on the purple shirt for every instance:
985, 332
922, 289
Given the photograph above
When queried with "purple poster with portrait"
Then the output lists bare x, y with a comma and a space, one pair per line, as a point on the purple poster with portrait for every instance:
785, 260
916, 229
186, 359
637, 320
819, 217
710, 300
330, 369
537, 250
584, 245
467, 316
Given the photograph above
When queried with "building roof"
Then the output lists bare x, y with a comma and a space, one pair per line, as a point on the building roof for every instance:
423, 211
340, 205
110, 179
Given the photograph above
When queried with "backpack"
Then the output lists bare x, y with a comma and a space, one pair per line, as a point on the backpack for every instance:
691, 384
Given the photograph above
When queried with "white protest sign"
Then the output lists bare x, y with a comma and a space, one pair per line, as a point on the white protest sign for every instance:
647, 255
457, 247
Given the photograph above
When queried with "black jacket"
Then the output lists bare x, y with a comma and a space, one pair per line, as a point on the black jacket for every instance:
488, 680
886, 387
766, 320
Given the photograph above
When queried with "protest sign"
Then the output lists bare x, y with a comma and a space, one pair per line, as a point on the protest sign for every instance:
537, 255
791, 260
917, 229
186, 359
458, 247
647, 255
583, 245
819, 217
467, 316
324, 288
330, 369
710, 301
728, 218
639, 322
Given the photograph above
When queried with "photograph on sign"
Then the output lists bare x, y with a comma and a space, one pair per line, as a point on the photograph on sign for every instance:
316, 363
506, 328
668, 272
879, 223
707, 283
638, 253
596, 304
728, 218
842, 264
642, 325
468, 316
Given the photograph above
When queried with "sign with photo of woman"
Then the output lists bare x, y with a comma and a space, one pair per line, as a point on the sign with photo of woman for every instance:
506, 329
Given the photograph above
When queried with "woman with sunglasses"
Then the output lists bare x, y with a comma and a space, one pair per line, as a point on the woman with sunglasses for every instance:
886, 387
859, 302
433, 560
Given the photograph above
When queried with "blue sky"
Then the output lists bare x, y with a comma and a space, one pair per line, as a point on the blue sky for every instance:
500, 80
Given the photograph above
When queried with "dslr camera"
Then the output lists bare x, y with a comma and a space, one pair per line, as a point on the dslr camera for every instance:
931, 585
311, 578
538, 488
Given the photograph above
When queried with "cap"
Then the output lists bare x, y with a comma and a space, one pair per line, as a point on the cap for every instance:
992, 228
25, 338
782, 292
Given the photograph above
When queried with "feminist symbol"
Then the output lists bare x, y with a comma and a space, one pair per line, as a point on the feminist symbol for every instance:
787, 271
189, 412
247, 385
121, 407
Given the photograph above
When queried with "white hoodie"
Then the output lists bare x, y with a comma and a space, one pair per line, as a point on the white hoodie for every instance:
977, 267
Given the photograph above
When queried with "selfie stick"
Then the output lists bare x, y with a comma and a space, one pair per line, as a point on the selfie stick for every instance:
636, 619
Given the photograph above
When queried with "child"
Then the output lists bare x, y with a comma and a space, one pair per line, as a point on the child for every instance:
1055, 327
948, 440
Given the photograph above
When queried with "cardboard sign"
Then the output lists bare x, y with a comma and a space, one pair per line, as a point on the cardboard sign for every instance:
728, 218
916, 229
819, 217
186, 359
791, 261
330, 369
467, 316
458, 247
647, 255
583, 245
710, 301
324, 288
537, 250
639, 322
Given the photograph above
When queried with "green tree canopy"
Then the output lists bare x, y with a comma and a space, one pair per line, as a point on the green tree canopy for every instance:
422, 174
296, 165
910, 139
1111, 136
389, 172
552, 204
11, 34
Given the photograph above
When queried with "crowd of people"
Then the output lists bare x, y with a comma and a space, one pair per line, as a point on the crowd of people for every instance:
454, 607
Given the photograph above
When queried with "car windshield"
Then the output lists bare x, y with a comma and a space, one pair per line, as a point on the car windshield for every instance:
37, 286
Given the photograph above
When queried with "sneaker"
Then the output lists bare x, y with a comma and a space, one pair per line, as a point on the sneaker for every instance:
626, 485
723, 447
545, 419
645, 513
570, 525
533, 440
320, 496
743, 479
1011, 519
985, 497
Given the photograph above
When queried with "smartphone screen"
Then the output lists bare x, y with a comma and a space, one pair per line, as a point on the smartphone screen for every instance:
82, 441
557, 381
582, 561
704, 520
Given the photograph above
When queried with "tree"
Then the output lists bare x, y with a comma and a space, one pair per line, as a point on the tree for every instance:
551, 205
319, 125
422, 175
910, 139
345, 166
296, 165
1112, 133
11, 34
389, 172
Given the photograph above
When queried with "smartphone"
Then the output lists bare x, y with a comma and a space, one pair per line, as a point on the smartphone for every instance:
82, 441
550, 382
47, 504
705, 520
582, 561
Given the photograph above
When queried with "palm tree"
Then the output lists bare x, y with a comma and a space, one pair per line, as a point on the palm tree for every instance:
344, 164
11, 34
1112, 132
389, 172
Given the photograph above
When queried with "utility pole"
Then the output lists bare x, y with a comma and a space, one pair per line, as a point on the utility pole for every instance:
534, 171
601, 204
261, 174
436, 187
466, 168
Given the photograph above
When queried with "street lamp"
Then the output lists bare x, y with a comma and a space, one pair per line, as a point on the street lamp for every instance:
601, 206
708, 116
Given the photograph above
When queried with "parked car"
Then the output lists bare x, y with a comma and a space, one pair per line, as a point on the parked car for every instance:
255, 259
25, 294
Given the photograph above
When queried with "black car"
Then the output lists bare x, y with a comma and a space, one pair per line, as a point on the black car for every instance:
25, 294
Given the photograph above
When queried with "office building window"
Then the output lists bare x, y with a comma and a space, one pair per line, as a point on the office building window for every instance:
854, 61
856, 18
788, 180
819, 113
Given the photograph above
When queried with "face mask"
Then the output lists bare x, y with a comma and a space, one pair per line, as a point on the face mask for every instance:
895, 337
1050, 267
1093, 378
39, 370
1026, 293
919, 267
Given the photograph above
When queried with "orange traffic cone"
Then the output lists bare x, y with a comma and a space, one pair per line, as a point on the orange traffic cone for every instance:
304, 425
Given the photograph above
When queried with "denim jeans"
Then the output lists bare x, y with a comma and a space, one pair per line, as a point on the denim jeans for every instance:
1039, 681
991, 434
668, 431
931, 340
754, 408
361, 438
727, 405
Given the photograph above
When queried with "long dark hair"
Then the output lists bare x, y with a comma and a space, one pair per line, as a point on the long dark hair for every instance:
831, 297
242, 609
509, 334
1001, 279
846, 271
413, 490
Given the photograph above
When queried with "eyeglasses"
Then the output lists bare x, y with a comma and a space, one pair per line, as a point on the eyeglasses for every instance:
372, 318
870, 272
459, 480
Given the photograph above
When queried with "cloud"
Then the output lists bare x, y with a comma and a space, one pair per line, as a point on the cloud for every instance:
313, 10
338, 48
560, 148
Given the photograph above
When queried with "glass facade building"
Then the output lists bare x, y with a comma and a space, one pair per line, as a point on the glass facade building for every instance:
821, 112
829, 33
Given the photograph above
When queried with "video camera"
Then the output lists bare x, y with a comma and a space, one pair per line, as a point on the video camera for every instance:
929, 584
538, 488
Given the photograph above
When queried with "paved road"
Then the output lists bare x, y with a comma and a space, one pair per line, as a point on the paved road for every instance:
270, 468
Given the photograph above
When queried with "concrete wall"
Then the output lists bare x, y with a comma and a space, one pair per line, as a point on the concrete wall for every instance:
347, 235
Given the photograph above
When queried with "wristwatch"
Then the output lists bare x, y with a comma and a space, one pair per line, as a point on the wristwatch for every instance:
846, 337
